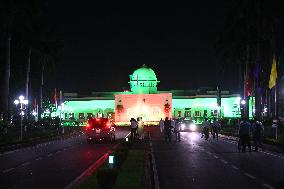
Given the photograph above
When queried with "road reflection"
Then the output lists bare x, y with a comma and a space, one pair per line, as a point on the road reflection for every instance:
192, 137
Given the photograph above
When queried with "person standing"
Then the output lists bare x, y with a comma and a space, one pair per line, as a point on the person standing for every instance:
161, 124
244, 134
177, 130
140, 129
133, 128
205, 129
167, 129
215, 129
257, 132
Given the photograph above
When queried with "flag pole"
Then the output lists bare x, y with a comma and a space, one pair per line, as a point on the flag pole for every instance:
275, 101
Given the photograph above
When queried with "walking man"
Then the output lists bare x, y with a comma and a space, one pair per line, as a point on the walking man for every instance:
133, 128
167, 129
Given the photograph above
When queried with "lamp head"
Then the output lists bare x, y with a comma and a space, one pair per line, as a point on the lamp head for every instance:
16, 102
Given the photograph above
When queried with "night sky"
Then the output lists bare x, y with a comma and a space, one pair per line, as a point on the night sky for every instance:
105, 43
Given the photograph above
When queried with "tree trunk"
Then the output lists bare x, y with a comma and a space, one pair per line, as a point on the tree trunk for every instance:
28, 80
4, 111
258, 102
40, 92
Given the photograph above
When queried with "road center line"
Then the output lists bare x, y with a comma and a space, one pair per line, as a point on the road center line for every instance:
8, 170
234, 167
249, 175
216, 157
268, 186
49, 155
38, 158
26, 163
224, 161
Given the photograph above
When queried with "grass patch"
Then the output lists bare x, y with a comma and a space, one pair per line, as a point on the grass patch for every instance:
92, 182
131, 173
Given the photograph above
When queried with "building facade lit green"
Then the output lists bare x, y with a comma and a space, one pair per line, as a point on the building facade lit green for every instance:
195, 104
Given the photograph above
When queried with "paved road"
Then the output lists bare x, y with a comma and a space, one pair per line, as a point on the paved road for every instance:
196, 163
50, 165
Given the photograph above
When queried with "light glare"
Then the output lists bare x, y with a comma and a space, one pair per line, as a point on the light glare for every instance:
16, 102
110, 159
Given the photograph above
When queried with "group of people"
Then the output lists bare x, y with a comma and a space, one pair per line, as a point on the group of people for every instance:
208, 126
137, 128
169, 126
246, 130
173, 126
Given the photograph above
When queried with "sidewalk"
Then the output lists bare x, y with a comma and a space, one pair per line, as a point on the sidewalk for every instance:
265, 146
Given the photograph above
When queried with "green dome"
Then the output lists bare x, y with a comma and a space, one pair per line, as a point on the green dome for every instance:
143, 81
144, 73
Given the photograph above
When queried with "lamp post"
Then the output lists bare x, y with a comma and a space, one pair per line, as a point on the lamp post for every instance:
22, 101
61, 111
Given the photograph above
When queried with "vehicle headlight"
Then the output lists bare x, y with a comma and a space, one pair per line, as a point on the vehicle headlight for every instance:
192, 127
182, 126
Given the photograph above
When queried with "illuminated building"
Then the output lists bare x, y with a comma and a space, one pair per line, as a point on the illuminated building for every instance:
146, 101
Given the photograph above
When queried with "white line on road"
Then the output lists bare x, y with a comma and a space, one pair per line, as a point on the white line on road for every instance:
127, 135
268, 186
26, 163
234, 167
216, 157
249, 175
38, 158
8, 170
49, 155
10, 152
223, 161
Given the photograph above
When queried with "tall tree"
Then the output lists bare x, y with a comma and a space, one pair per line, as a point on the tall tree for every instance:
250, 27
7, 18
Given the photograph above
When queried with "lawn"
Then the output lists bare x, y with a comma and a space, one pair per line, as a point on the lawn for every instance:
131, 173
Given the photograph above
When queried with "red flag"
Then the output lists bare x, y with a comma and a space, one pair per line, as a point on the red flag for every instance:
35, 105
249, 83
55, 98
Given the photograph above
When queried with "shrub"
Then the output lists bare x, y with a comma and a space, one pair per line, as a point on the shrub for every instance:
106, 178
126, 144
119, 157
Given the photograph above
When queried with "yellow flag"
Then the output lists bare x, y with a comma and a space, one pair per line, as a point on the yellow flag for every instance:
273, 74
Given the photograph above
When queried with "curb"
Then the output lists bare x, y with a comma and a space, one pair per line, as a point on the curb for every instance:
88, 172
94, 167
265, 146
154, 166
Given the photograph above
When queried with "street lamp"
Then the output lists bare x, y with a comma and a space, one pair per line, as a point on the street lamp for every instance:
22, 101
